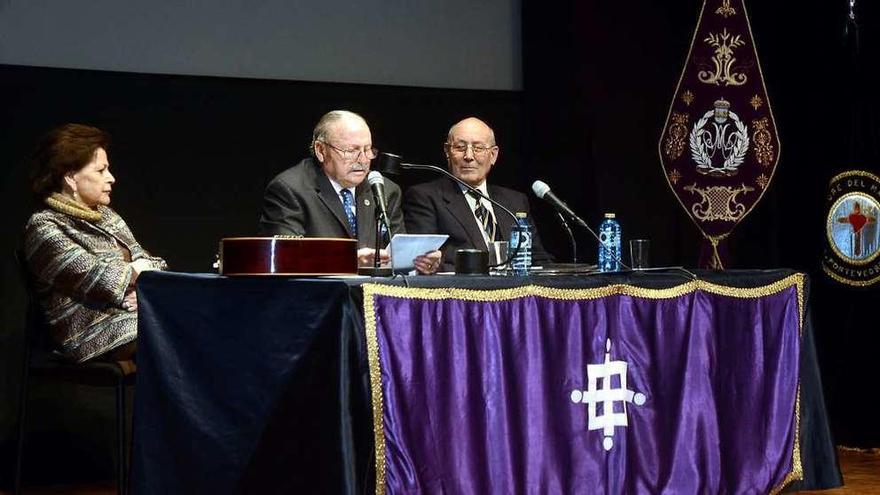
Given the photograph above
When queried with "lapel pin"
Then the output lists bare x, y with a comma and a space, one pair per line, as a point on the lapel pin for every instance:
366, 202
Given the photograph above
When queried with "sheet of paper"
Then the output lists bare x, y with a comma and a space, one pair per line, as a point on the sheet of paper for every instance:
405, 247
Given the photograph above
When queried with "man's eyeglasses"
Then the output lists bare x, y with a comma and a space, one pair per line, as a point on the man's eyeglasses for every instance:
461, 148
354, 154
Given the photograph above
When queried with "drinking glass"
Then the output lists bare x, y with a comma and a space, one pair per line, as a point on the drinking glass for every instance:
498, 254
638, 253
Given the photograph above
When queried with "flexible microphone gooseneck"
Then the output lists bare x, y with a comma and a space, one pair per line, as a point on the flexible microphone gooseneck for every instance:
542, 190
564, 222
391, 162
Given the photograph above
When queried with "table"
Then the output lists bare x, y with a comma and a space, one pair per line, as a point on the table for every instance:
262, 385
248, 386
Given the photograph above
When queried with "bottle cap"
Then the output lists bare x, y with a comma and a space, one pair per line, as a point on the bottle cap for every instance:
521, 214
609, 215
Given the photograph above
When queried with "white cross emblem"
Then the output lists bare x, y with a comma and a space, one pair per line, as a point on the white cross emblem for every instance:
607, 395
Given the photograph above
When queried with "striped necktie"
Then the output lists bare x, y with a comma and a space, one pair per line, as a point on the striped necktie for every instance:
348, 205
485, 218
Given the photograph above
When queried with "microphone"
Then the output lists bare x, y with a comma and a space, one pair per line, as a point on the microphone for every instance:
377, 184
394, 164
542, 190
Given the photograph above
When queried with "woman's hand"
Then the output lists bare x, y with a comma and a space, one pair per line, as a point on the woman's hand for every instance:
130, 301
142, 265
139, 266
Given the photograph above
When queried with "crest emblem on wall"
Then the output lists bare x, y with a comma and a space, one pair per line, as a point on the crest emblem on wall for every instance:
719, 146
852, 229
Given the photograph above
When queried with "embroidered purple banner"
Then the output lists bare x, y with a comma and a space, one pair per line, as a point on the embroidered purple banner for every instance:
619, 389
719, 146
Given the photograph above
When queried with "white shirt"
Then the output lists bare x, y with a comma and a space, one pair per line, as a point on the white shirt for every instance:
472, 202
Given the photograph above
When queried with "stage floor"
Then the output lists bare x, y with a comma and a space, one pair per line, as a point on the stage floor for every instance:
861, 475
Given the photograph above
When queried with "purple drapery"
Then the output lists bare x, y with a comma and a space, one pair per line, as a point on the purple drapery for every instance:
489, 391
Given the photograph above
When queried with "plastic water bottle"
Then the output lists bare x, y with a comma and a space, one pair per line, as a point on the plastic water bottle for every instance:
521, 237
609, 235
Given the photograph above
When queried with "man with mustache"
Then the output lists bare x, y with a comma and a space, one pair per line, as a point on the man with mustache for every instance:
326, 195
443, 206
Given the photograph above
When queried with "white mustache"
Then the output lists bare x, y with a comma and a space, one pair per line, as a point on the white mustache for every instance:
359, 168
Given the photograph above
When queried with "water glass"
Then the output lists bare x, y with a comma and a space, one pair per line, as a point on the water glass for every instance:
638, 253
497, 253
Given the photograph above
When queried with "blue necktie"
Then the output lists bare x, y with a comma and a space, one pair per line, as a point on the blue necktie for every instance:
348, 205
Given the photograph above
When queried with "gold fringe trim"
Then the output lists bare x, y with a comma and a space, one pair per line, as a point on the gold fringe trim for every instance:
375, 384
72, 207
494, 295
435, 294
797, 469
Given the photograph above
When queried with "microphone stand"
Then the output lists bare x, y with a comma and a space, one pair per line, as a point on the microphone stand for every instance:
376, 270
690, 275
574, 256
376, 258
583, 224
579, 221
415, 166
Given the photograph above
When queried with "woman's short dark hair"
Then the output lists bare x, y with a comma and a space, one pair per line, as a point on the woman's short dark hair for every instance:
64, 149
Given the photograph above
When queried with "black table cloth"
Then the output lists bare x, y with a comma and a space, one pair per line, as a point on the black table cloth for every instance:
260, 385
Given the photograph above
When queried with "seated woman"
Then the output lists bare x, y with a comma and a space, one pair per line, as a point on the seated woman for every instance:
83, 258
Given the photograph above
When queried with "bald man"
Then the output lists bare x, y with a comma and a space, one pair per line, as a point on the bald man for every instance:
326, 195
442, 206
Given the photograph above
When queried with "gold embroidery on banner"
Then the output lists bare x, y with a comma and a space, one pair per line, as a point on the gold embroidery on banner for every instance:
675, 140
762, 181
674, 176
711, 138
763, 141
725, 10
371, 290
756, 102
718, 203
696, 53
715, 261
687, 97
723, 59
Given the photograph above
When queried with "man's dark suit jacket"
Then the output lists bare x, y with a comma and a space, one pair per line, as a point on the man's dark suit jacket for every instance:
301, 201
439, 207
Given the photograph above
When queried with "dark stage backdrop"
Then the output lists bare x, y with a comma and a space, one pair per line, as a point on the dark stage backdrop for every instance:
192, 154
598, 79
